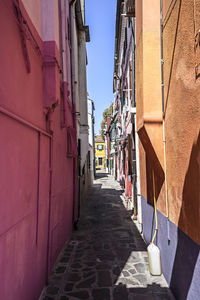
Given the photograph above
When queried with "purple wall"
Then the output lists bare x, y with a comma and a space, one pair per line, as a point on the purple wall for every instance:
179, 254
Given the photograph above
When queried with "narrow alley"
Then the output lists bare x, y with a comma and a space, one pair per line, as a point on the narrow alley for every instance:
100, 149
106, 257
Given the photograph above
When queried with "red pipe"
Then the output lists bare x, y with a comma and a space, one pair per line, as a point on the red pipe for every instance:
48, 263
38, 188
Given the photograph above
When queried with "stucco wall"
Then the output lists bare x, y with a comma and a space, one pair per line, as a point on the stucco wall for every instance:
50, 21
166, 6
83, 96
90, 122
24, 232
34, 10
148, 94
36, 176
15, 68
182, 103
178, 238
139, 63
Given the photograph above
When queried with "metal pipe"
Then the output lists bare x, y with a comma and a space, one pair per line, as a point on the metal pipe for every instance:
38, 187
163, 108
24, 122
73, 95
62, 16
49, 212
137, 153
133, 64
72, 56
162, 60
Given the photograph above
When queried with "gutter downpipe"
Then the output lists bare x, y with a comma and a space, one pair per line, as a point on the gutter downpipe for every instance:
139, 201
48, 263
137, 152
163, 112
75, 175
62, 10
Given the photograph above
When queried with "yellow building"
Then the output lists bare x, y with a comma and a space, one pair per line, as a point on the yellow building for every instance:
100, 153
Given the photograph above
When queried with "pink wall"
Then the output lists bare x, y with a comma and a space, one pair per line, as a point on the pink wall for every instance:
34, 10
34, 163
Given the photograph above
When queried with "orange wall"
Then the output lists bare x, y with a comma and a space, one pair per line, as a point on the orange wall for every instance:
138, 10
166, 6
182, 101
148, 89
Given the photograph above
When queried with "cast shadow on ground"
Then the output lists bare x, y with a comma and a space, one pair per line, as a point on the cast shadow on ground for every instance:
106, 258
100, 175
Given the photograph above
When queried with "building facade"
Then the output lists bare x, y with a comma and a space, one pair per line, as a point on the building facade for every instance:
79, 56
100, 154
38, 184
165, 115
122, 129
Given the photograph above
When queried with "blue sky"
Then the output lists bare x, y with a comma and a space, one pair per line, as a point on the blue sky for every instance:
100, 16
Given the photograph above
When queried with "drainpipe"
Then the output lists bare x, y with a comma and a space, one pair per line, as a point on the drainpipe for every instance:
137, 153
75, 175
62, 16
133, 60
139, 200
163, 112
48, 263
163, 109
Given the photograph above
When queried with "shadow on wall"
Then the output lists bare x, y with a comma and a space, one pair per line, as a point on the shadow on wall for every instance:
184, 279
152, 164
187, 251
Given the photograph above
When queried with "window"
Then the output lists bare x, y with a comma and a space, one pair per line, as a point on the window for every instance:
100, 161
100, 147
71, 142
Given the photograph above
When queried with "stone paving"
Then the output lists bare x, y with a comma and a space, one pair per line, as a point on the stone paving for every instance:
106, 257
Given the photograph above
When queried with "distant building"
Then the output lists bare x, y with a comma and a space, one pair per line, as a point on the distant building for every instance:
122, 127
100, 153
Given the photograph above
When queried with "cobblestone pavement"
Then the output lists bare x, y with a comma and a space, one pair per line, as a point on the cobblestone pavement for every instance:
106, 257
